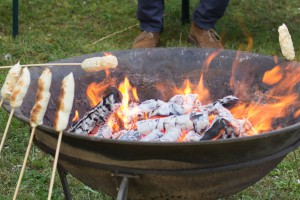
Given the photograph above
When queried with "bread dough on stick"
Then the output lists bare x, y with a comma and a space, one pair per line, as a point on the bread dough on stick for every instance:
42, 98
20, 89
65, 103
10, 81
99, 63
286, 43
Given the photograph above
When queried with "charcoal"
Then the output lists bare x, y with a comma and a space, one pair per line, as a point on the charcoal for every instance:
167, 109
200, 121
186, 102
217, 128
98, 114
171, 135
154, 135
226, 102
130, 135
177, 105
182, 122
192, 136
104, 131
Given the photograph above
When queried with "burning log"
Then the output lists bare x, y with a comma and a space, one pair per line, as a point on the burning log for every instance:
98, 114
216, 130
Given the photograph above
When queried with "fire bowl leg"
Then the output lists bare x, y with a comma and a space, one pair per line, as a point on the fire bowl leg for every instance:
64, 182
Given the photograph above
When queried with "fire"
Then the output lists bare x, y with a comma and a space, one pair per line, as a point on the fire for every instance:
262, 110
124, 112
95, 91
273, 76
76, 117
276, 103
202, 91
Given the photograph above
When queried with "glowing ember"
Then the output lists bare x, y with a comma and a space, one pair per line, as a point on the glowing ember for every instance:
251, 118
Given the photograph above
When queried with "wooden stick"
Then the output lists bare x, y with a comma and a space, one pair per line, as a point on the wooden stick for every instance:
112, 34
55, 164
44, 64
24, 163
6, 128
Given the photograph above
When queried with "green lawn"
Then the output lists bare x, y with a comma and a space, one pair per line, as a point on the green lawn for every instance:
65, 28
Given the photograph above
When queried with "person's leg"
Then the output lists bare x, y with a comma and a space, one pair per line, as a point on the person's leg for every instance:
150, 14
205, 17
209, 12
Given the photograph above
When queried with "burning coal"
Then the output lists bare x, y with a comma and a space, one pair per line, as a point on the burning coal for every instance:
189, 115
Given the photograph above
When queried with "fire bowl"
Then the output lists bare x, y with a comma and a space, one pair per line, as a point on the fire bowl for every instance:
193, 170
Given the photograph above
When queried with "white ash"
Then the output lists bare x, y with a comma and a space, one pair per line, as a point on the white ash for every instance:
153, 136
183, 118
130, 135
192, 136
171, 135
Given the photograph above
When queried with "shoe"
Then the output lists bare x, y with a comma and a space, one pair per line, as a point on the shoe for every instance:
204, 38
146, 40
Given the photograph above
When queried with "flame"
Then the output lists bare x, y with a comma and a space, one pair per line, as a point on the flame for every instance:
124, 112
203, 92
185, 88
76, 117
273, 76
262, 111
275, 103
95, 91
210, 58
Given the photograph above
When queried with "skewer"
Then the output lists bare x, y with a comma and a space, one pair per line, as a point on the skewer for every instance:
55, 164
16, 98
6, 128
44, 64
65, 104
93, 64
24, 163
36, 115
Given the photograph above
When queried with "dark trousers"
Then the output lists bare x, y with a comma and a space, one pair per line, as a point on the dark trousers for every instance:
150, 14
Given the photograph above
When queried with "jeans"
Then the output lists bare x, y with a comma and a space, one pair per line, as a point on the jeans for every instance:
208, 12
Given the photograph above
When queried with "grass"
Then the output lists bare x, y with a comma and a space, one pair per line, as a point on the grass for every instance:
65, 28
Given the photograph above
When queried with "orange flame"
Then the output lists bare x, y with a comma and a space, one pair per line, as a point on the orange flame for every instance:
95, 91
273, 76
76, 117
203, 92
210, 58
123, 113
276, 103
